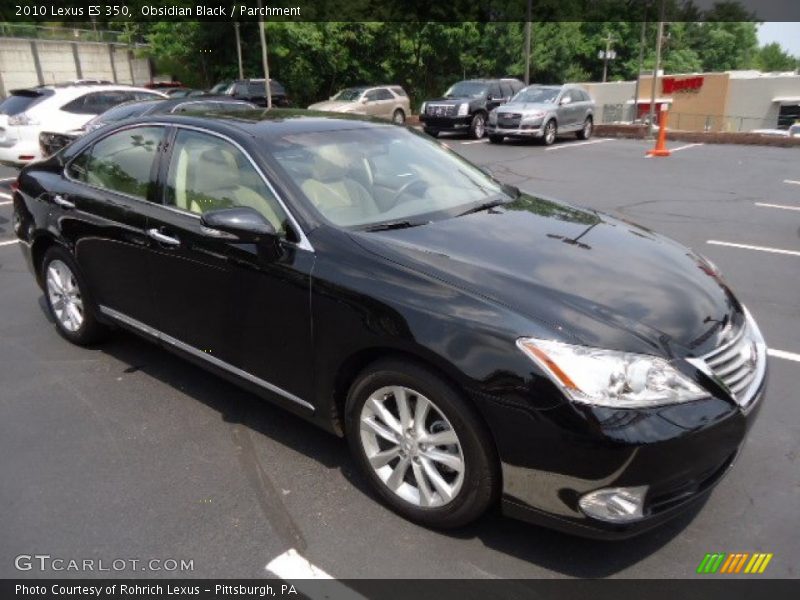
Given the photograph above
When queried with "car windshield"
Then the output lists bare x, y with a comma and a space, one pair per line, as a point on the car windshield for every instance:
118, 113
467, 89
541, 95
366, 177
349, 94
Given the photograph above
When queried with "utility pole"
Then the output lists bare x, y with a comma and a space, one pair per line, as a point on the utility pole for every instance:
639, 69
607, 55
657, 66
263, 36
528, 45
238, 48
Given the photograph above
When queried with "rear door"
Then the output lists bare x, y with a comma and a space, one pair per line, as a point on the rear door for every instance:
103, 209
236, 305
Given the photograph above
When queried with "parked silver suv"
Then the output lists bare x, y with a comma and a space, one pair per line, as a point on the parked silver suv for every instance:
543, 112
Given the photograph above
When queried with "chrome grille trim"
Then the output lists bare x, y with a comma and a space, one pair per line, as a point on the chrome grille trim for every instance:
739, 365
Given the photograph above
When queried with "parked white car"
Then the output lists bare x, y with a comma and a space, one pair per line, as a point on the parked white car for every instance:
58, 108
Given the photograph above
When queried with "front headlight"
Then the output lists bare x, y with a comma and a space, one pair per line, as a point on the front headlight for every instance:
463, 110
422, 108
534, 116
610, 378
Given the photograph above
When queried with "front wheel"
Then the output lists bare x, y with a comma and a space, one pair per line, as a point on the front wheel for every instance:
586, 131
423, 449
477, 128
550, 132
399, 117
67, 299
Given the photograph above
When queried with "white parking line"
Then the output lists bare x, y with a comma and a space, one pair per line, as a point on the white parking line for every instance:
297, 570
791, 181
783, 354
576, 144
783, 206
7, 179
749, 247
483, 141
686, 147
7, 196
4, 203
8, 243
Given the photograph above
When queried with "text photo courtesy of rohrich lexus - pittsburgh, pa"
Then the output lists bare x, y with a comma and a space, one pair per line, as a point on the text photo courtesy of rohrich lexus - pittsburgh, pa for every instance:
344, 299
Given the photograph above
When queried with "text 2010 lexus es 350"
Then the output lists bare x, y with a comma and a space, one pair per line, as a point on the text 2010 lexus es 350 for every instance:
473, 343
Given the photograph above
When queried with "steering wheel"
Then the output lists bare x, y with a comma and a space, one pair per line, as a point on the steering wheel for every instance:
404, 188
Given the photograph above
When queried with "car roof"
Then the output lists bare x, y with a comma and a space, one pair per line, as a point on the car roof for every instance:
74, 91
262, 123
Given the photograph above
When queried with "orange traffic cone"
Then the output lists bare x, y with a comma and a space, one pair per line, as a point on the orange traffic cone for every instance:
661, 142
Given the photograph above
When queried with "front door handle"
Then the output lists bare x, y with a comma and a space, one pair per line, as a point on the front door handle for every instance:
63, 202
162, 238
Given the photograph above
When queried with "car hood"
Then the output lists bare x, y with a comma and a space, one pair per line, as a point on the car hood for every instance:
580, 275
523, 107
334, 106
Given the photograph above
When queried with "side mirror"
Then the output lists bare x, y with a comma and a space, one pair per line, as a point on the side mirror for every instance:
565, 100
245, 223
364, 100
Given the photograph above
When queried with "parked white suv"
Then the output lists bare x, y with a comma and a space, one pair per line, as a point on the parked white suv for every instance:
59, 108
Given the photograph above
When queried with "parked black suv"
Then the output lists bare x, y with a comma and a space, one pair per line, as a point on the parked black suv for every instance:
465, 106
252, 90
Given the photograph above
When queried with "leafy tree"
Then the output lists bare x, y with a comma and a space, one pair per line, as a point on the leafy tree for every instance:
774, 58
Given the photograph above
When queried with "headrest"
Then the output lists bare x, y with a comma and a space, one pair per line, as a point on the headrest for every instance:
328, 164
214, 169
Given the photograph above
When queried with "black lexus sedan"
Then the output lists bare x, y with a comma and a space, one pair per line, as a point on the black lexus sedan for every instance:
474, 344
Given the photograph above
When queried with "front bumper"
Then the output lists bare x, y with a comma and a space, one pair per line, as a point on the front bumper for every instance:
533, 131
680, 452
450, 124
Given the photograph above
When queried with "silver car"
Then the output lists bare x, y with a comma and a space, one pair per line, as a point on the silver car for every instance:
543, 112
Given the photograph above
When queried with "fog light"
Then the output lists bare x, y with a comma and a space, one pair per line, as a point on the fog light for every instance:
615, 505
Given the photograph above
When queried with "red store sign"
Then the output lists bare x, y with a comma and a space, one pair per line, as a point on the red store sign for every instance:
670, 85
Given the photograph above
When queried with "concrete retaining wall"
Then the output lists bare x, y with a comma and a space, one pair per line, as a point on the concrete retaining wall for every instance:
25, 63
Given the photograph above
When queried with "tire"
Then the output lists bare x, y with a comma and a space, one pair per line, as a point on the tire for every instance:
67, 298
468, 492
431, 132
496, 139
550, 133
477, 129
398, 116
586, 131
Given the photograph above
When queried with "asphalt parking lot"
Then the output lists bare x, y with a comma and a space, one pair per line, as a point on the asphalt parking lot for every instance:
125, 451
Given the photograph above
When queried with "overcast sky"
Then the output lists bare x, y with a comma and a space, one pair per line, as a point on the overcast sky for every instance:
786, 34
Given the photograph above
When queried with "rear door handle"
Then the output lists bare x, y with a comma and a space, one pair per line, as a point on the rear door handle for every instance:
162, 238
63, 202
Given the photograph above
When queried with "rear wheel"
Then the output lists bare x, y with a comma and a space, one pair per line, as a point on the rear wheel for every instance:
423, 449
477, 128
495, 139
586, 131
431, 132
67, 299
399, 116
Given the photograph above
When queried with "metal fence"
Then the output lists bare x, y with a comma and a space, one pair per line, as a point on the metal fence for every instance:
44, 32
608, 114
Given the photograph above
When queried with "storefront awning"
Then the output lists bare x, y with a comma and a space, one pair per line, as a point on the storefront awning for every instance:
787, 99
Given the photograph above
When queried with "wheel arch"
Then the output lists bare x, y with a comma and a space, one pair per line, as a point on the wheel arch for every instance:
41, 244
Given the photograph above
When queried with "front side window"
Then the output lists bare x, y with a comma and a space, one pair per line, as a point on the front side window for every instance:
365, 176
209, 173
384, 94
349, 94
121, 162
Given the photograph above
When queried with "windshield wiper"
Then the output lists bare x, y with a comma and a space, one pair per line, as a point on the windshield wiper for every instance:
394, 225
483, 206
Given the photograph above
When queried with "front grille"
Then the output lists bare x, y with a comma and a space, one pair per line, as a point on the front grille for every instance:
735, 363
440, 110
508, 119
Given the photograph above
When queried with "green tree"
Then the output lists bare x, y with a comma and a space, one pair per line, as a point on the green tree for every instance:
773, 57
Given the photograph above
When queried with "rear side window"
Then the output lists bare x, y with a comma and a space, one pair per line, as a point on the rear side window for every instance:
21, 100
121, 162
400, 92
97, 102
384, 94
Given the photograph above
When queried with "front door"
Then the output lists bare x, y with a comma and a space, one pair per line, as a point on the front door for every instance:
240, 306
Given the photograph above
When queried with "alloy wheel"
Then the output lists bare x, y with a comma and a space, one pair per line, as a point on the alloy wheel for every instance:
399, 117
587, 129
412, 447
479, 127
64, 295
550, 133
